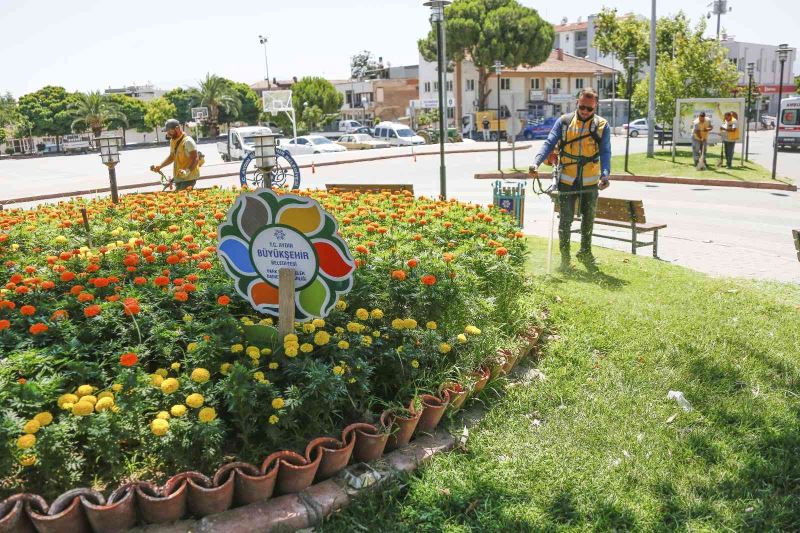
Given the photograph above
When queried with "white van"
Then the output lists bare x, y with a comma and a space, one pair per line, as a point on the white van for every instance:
397, 134
349, 126
789, 123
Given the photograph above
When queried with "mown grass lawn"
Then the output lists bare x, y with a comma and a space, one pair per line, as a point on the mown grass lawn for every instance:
611, 451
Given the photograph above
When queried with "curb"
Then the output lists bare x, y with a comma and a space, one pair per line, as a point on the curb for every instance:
100, 190
310, 507
660, 179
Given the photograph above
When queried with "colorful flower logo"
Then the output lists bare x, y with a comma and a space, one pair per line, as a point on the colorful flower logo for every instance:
265, 232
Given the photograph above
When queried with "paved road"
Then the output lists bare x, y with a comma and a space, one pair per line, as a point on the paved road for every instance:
718, 230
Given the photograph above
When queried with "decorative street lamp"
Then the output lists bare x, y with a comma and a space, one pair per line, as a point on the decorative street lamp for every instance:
751, 67
498, 69
263, 40
264, 152
598, 75
631, 59
437, 17
109, 155
783, 54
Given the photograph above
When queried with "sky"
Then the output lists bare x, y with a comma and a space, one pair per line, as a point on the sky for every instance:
93, 45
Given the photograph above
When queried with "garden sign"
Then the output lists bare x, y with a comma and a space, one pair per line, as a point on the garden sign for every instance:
285, 249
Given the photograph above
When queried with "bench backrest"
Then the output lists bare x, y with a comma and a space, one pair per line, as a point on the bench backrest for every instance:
370, 187
618, 209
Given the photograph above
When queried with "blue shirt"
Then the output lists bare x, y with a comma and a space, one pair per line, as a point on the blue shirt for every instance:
555, 137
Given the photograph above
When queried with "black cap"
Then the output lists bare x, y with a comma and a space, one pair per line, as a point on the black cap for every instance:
171, 123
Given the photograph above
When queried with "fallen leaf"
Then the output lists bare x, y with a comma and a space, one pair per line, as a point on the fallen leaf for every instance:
445, 491
671, 418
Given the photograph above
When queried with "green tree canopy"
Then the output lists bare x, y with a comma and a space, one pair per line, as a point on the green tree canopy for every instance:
158, 112
217, 95
797, 83
249, 104
47, 111
132, 109
183, 100
316, 102
95, 111
488, 30
622, 36
363, 65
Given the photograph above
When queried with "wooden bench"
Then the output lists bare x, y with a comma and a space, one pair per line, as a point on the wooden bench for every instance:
796, 235
619, 213
370, 187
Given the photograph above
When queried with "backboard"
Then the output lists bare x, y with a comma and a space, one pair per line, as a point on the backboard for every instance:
199, 113
277, 101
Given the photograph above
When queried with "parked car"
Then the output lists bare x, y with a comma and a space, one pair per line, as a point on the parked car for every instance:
74, 143
365, 129
397, 134
538, 129
361, 141
349, 126
311, 144
768, 121
639, 126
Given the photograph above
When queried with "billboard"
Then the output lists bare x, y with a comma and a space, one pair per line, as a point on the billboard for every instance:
686, 110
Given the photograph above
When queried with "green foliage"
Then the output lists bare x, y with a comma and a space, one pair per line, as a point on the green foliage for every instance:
218, 95
9, 113
488, 30
622, 36
249, 105
95, 111
158, 111
132, 109
797, 84
363, 65
47, 111
316, 102
183, 100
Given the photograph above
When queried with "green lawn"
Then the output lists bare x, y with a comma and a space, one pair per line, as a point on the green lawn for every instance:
612, 452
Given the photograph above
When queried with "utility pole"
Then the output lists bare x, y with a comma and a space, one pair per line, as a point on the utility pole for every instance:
651, 113
263, 40
719, 8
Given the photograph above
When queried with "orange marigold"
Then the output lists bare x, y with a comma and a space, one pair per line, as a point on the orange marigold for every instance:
27, 310
92, 311
223, 300
181, 296
501, 251
128, 359
38, 328
428, 280
412, 263
399, 275
4, 324
161, 281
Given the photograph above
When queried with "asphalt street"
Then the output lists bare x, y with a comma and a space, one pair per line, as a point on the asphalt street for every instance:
718, 230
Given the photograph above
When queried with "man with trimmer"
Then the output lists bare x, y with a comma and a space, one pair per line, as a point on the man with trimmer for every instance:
183, 155
582, 141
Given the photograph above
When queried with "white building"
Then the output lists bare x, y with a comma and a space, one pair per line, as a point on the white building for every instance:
142, 92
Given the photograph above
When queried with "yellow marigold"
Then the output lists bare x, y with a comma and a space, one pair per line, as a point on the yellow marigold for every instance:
362, 314
431, 325
273, 419
398, 323
343, 345
377, 314
472, 330
259, 376
156, 380
291, 337
195, 400
321, 338
291, 352
66, 398
354, 327
445, 348
351, 380
207, 414
91, 398
177, 410
105, 394
225, 368
461, 337
169, 385
104, 404
266, 351
338, 370
265, 321
309, 327
187, 318
192, 346
409, 323
341, 305
31, 427
159, 427
44, 418
253, 351
236, 348
83, 390
68, 406
26, 442
82, 408
318, 323
162, 372
339, 330
278, 403
273, 366
291, 344
116, 387
27, 460
200, 375
414, 363
366, 340
376, 334
306, 347
175, 366
163, 415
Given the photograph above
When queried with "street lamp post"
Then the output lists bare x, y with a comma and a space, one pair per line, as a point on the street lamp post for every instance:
109, 155
263, 40
751, 67
498, 69
631, 59
264, 152
783, 55
437, 17
598, 75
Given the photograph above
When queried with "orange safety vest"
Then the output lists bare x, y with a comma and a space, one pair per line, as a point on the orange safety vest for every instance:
182, 160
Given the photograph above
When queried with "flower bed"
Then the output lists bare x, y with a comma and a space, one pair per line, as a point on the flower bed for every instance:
126, 353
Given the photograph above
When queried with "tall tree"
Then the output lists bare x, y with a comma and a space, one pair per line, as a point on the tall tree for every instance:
797, 84
488, 30
95, 111
216, 94
133, 110
316, 102
9, 115
47, 111
622, 36
183, 100
249, 104
363, 65
159, 110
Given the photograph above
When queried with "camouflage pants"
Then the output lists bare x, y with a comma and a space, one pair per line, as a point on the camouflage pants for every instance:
586, 197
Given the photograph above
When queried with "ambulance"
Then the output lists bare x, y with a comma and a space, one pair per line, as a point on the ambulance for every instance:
789, 123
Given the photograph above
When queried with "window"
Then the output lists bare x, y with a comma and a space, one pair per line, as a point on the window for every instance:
450, 112
535, 84
579, 83
470, 85
505, 84
348, 95
449, 85
427, 86
436, 86
790, 117
557, 84
390, 133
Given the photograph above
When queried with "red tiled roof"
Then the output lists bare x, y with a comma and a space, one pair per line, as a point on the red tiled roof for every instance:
570, 64
572, 26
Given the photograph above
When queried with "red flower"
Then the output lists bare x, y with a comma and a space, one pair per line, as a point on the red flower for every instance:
27, 310
173, 259
47, 285
92, 268
85, 297
204, 265
131, 260
76, 290
16, 278
4, 324
412, 263
131, 306
501, 251
139, 281
181, 296
223, 300
22, 381
161, 281
92, 311
38, 328
128, 359
399, 275
362, 249
99, 282
67, 276
428, 280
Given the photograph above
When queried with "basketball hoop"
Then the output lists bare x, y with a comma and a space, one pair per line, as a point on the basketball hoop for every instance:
280, 102
199, 114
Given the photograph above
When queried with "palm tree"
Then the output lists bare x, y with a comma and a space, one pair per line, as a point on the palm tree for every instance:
216, 93
94, 111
